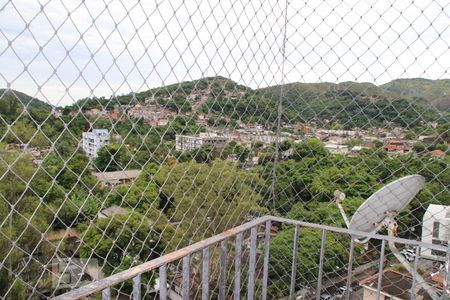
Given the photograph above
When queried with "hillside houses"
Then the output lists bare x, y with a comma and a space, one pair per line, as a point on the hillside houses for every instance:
397, 146
152, 115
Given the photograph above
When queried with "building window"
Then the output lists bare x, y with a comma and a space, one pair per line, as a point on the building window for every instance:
436, 230
437, 252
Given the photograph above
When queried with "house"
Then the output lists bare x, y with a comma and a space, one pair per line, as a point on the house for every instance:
192, 142
394, 285
94, 140
152, 115
369, 145
335, 139
56, 112
336, 148
163, 121
435, 230
114, 178
396, 146
397, 149
437, 153
357, 149
341, 133
57, 235
110, 211
115, 116
93, 112
428, 139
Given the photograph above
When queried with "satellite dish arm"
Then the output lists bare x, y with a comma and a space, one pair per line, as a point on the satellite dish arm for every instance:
339, 197
344, 216
392, 231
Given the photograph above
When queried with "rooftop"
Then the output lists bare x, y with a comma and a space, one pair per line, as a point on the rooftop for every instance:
393, 284
115, 177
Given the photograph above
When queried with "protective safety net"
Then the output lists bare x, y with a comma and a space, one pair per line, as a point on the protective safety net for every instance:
130, 129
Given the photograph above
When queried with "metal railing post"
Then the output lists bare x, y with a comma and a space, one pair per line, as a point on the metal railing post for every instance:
223, 269
350, 267
413, 284
266, 259
294, 264
205, 274
137, 287
106, 293
186, 275
446, 284
252, 264
322, 252
163, 282
380, 268
237, 267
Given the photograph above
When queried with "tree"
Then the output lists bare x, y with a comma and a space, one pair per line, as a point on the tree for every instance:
442, 147
309, 148
68, 171
23, 219
409, 135
238, 151
112, 157
354, 182
207, 199
285, 145
419, 147
125, 240
378, 144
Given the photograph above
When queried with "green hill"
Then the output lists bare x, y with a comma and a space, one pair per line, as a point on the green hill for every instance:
212, 86
12, 104
349, 104
436, 92
407, 103
8, 96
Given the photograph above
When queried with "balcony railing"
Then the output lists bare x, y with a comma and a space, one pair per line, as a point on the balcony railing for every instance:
259, 234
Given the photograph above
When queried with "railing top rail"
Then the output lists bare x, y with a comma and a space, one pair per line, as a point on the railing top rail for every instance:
102, 284
361, 233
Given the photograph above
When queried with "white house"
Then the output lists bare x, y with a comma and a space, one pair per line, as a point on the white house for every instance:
336, 148
435, 230
192, 142
94, 140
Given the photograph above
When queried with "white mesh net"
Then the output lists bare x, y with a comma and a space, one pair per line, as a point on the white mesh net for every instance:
131, 129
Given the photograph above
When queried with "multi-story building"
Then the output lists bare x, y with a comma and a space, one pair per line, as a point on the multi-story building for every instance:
435, 230
94, 140
191, 142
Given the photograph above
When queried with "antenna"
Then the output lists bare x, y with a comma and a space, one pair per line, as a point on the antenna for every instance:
379, 211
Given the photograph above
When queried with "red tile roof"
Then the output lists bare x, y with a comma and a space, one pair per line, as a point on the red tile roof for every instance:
437, 152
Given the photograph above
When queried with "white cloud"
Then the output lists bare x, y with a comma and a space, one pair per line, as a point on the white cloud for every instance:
106, 47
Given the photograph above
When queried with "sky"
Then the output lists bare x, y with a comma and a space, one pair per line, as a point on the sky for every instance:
61, 51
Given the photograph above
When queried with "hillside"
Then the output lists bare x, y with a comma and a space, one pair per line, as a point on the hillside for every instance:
350, 104
357, 89
8, 96
197, 91
12, 104
436, 92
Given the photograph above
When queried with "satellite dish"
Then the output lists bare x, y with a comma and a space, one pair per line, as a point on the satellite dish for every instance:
379, 211
388, 201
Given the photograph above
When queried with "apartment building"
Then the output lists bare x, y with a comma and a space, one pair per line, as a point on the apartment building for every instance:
94, 140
